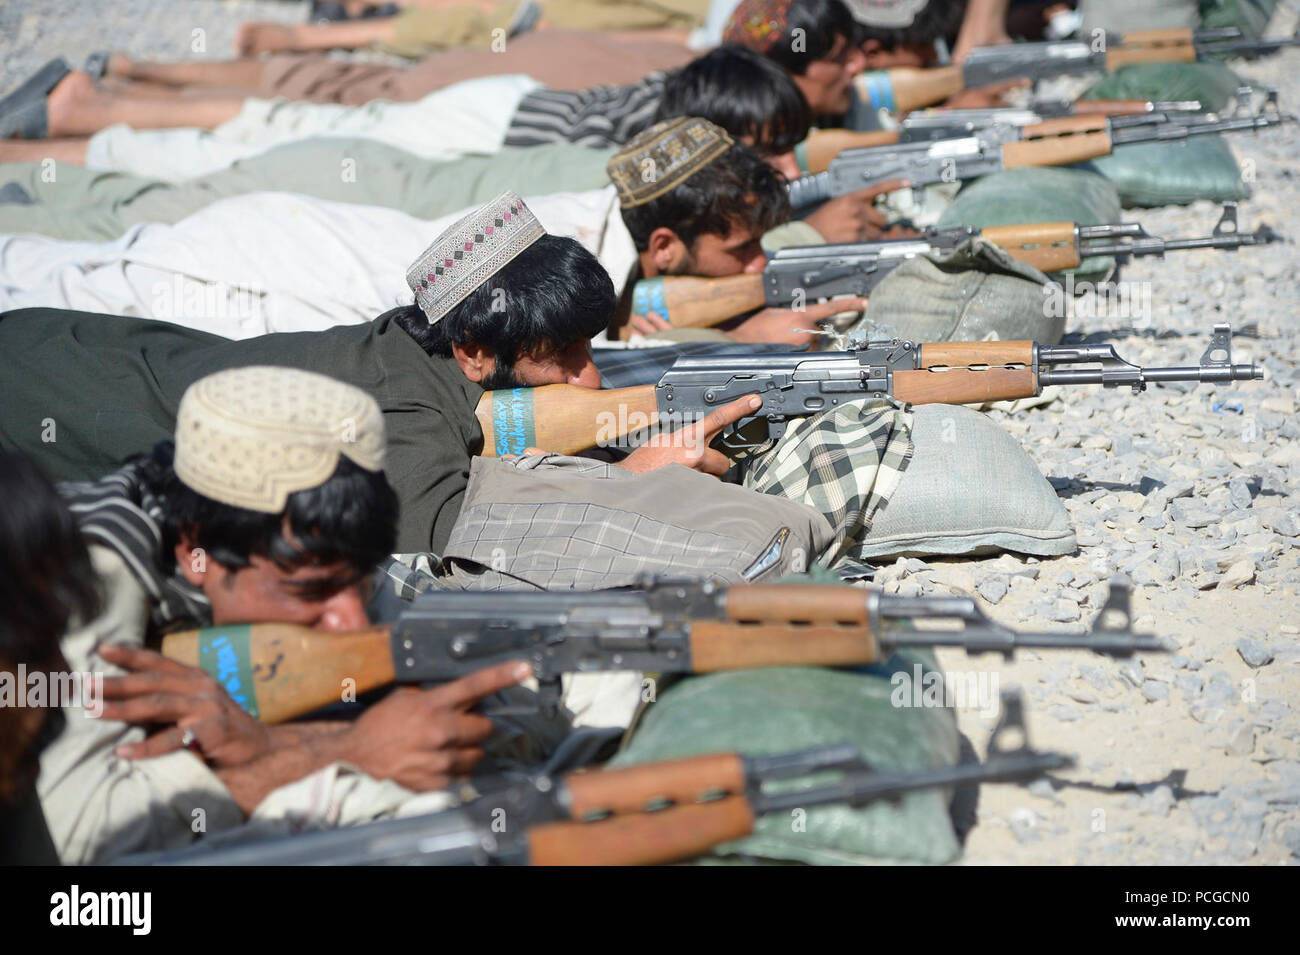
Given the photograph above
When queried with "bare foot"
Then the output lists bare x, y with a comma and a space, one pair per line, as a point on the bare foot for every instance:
68, 102
254, 38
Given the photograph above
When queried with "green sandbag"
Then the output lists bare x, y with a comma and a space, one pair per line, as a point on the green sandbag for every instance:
1161, 174
782, 709
1249, 16
1213, 85
1040, 194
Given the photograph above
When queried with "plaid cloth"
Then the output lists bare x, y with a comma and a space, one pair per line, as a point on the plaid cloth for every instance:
628, 367
845, 462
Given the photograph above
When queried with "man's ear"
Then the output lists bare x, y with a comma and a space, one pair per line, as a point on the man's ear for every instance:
667, 251
191, 559
476, 361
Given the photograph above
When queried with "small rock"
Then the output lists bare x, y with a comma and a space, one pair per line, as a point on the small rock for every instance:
1131, 670
1254, 653
1241, 741
1242, 572
1155, 691
1063, 611
1158, 802
993, 589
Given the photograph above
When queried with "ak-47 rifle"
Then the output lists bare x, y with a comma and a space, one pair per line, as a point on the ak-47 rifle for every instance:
802, 274
1004, 125
903, 89
567, 419
285, 670
1051, 143
610, 816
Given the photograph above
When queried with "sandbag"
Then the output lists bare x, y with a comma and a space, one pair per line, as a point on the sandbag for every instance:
970, 488
782, 709
977, 292
1162, 174
1040, 194
1249, 16
1213, 85
1123, 16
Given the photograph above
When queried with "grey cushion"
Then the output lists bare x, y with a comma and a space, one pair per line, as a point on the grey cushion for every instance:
970, 489
974, 293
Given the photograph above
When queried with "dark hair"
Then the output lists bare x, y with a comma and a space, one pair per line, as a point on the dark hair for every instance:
821, 22
743, 92
549, 297
938, 18
45, 572
736, 189
351, 517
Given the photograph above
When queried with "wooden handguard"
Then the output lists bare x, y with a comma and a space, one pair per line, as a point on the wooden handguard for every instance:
823, 145
964, 386
1064, 124
634, 788
1173, 53
733, 646
285, 669
645, 838
961, 354
1175, 36
913, 87
565, 419
1047, 246
1057, 150
1111, 107
795, 603
692, 302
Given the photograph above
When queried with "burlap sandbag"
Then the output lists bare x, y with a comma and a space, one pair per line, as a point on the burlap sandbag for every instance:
1249, 16
1124, 16
1040, 194
977, 292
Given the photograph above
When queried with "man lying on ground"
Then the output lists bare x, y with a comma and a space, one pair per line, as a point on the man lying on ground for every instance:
271, 504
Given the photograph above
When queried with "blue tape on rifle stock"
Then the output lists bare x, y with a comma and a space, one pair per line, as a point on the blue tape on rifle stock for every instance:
648, 298
513, 427
225, 655
880, 89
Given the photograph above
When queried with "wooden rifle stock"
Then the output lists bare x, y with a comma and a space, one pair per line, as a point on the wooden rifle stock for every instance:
565, 419
1048, 246
284, 670
905, 88
1056, 150
688, 301
647, 838
823, 145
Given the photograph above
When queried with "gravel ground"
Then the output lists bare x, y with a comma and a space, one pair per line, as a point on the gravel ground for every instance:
33, 31
1190, 757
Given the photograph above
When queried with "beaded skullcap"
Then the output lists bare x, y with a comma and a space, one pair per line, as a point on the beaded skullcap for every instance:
252, 436
758, 24
470, 252
663, 157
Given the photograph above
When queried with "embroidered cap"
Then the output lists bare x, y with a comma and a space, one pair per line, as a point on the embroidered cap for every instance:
470, 252
252, 436
758, 24
663, 157
885, 14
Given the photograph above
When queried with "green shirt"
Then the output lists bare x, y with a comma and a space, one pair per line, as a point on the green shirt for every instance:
83, 391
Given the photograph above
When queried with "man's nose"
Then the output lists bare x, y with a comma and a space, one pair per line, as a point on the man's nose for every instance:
786, 164
582, 370
344, 611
